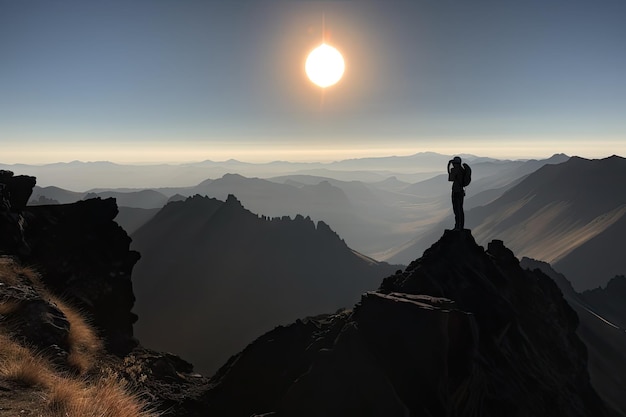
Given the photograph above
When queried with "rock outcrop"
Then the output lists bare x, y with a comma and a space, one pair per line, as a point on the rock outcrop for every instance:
82, 255
461, 332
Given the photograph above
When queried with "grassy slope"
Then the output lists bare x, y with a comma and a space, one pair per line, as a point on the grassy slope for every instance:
31, 384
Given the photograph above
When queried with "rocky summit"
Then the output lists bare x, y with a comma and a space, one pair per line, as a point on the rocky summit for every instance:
463, 331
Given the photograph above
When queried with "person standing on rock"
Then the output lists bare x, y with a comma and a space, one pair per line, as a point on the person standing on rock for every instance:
460, 177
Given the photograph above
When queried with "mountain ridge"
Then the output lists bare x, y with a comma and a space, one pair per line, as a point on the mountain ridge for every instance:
207, 252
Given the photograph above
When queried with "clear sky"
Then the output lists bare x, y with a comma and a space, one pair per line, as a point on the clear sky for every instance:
184, 80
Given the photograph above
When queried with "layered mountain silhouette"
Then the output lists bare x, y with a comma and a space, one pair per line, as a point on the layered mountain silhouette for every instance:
564, 214
77, 175
216, 276
146, 199
460, 332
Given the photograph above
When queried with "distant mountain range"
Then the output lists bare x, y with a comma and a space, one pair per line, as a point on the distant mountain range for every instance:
83, 176
571, 214
217, 276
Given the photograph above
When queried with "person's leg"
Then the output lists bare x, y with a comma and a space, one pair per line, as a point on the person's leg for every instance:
461, 212
456, 208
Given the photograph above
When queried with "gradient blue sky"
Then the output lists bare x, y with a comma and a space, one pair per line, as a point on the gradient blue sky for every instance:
181, 80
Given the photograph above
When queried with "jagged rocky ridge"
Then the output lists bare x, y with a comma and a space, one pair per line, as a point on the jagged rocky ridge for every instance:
228, 275
461, 332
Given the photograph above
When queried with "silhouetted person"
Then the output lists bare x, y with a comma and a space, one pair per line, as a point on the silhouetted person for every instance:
456, 174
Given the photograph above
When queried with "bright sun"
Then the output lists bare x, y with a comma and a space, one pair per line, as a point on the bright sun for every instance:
324, 66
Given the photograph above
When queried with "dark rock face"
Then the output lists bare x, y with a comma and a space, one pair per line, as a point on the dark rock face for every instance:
18, 189
461, 332
84, 255
81, 254
14, 194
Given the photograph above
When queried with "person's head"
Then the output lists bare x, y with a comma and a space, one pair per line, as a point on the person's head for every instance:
456, 160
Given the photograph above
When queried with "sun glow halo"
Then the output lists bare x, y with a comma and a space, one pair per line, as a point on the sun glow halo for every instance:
324, 66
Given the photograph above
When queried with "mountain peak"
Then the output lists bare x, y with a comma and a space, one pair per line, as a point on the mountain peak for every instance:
233, 177
232, 200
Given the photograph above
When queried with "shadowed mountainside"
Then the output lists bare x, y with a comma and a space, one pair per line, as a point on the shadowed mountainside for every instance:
227, 275
461, 332
608, 301
602, 317
557, 212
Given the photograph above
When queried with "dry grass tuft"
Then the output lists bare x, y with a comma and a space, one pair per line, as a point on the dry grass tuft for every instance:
19, 365
105, 398
64, 395
28, 371
85, 345
67, 396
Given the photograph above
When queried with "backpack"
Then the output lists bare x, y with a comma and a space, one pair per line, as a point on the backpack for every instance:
467, 175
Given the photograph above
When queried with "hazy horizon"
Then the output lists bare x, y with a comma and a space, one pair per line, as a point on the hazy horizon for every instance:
305, 157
